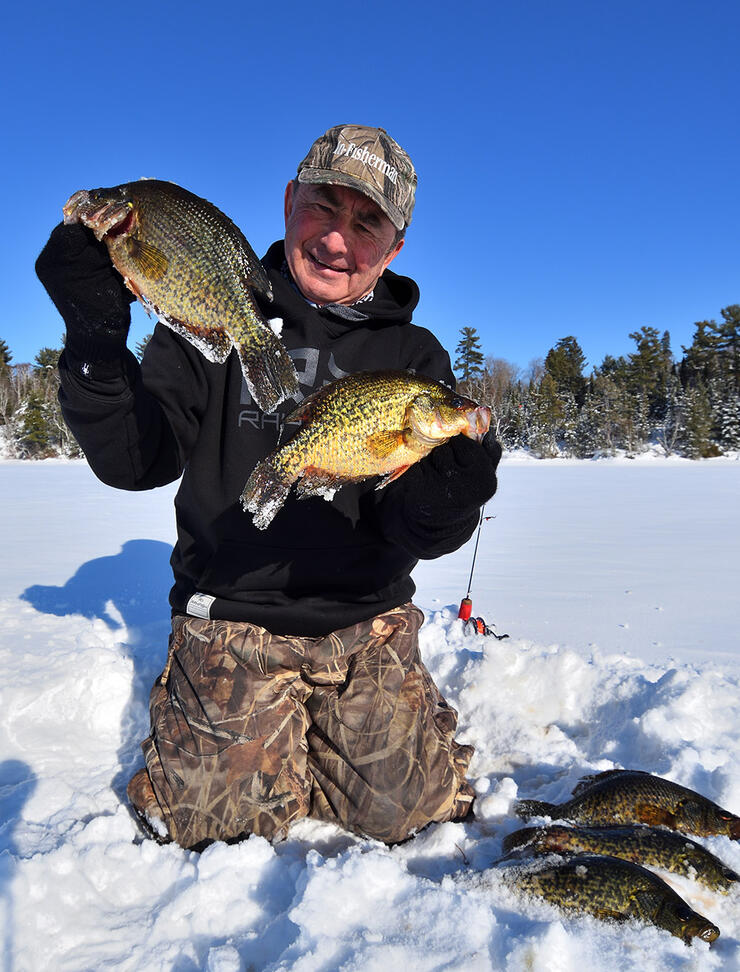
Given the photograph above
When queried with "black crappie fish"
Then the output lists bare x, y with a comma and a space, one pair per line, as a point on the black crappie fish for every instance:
649, 846
610, 888
372, 423
186, 261
632, 796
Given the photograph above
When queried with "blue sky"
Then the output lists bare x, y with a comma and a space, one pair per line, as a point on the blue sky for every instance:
578, 161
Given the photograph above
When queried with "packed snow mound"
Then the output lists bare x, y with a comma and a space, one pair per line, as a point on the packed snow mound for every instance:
84, 890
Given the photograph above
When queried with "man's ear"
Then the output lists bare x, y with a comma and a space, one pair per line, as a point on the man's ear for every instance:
289, 190
392, 254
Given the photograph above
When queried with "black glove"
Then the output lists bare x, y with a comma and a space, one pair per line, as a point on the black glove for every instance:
88, 292
433, 508
455, 479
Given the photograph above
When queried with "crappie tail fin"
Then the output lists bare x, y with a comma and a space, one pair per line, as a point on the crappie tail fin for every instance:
268, 369
266, 490
534, 808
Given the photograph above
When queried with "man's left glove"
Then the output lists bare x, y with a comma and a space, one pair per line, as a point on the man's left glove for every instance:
78, 275
434, 507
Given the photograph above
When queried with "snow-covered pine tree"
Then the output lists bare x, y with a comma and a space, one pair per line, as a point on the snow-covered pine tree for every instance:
515, 421
649, 368
696, 431
613, 406
728, 421
668, 432
569, 426
547, 419
587, 440
728, 346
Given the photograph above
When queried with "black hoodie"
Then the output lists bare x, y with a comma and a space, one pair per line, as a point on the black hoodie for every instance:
319, 566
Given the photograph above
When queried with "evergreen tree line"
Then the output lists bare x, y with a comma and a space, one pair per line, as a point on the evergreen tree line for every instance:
688, 406
31, 423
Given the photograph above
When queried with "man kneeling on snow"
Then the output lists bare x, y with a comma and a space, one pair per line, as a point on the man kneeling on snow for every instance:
293, 684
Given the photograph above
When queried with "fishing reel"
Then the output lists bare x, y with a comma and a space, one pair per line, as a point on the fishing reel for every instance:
476, 625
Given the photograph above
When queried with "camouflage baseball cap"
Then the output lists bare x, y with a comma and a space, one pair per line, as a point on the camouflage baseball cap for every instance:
366, 159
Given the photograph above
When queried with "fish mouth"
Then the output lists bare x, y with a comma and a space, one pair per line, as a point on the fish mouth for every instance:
478, 422
124, 226
702, 929
71, 209
105, 217
442, 427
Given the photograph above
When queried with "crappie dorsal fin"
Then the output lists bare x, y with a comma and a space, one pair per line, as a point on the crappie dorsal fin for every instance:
383, 444
535, 808
255, 275
152, 263
306, 411
586, 782
521, 838
303, 412
259, 282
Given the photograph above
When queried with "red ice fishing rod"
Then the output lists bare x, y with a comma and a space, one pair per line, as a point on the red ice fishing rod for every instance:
466, 605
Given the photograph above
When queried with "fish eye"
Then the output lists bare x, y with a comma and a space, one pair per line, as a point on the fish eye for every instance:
684, 913
457, 402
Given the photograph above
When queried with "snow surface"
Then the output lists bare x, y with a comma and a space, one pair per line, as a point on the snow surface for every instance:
617, 583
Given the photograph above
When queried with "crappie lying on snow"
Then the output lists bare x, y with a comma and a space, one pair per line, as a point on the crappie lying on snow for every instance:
649, 846
194, 268
609, 888
631, 796
366, 424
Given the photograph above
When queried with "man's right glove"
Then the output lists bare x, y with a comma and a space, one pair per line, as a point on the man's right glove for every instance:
434, 507
88, 292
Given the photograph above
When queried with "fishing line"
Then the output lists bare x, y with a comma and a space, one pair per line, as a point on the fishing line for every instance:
466, 605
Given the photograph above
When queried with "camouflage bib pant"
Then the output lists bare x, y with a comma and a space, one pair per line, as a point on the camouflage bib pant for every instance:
252, 731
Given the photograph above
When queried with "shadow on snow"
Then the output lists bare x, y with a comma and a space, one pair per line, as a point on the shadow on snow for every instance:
129, 588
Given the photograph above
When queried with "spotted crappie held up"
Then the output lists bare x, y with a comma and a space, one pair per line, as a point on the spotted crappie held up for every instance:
365, 424
190, 264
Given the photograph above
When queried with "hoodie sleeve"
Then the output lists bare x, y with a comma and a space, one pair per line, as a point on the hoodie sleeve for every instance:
135, 423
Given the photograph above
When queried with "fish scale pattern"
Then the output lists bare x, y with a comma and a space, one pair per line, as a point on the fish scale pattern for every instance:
187, 261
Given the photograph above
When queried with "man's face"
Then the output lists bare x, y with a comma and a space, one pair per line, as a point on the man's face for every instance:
337, 242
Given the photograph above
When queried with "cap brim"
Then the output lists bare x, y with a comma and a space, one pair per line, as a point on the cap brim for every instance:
332, 177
